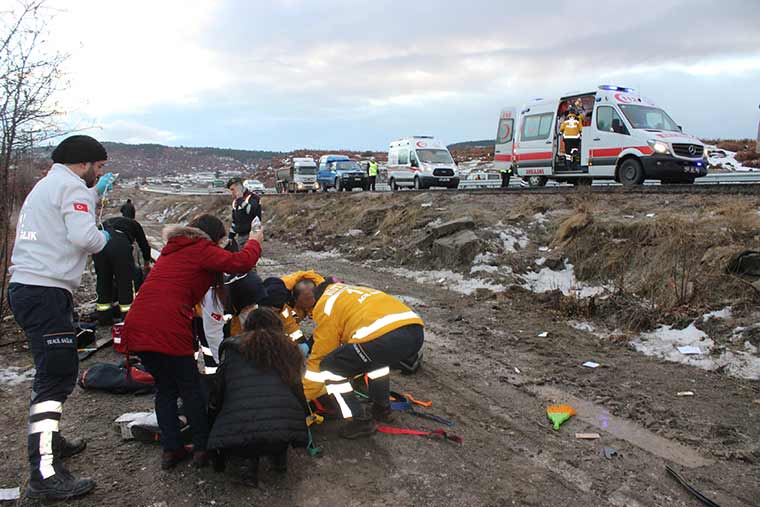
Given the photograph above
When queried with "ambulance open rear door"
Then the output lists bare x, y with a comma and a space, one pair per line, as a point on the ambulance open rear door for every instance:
504, 151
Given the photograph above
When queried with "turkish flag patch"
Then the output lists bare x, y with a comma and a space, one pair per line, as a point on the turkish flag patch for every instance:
217, 317
80, 206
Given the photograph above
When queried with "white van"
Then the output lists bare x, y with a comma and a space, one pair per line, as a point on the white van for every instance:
421, 162
625, 138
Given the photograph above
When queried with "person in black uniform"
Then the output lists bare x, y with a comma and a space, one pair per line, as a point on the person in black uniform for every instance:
245, 207
116, 263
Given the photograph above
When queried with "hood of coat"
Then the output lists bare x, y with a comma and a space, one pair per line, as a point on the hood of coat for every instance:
178, 237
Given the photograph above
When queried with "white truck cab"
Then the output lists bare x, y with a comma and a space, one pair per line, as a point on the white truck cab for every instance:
625, 137
421, 162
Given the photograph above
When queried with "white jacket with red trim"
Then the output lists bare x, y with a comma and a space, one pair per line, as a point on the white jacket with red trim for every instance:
56, 231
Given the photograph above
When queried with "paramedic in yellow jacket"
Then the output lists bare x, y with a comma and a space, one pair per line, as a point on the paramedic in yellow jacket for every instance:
571, 130
359, 330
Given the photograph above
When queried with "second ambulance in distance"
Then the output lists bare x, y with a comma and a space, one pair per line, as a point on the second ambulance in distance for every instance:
625, 138
421, 162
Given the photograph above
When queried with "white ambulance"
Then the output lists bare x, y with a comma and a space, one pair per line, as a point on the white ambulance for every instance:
421, 162
625, 138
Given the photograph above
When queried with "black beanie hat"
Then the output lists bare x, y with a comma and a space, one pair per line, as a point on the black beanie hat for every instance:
277, 293
245, 290
79, 149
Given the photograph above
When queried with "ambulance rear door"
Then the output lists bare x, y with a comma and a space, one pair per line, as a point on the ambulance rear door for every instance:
505, 139
534, 151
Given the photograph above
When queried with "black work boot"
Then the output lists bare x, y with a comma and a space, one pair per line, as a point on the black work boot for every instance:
70, 447
382, 413
359, 426
105, 318
60, 486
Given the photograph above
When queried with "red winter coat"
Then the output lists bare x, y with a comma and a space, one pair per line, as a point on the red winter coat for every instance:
160, 319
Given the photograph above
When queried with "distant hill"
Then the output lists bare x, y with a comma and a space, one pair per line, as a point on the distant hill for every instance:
486, 143
145, 160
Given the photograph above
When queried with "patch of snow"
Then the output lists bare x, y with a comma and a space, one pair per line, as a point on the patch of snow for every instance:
540, 261
582, 326
482, 263
448, 279
513, 238
330, 254
547, 280
718, 314
539, 218
13, 376
664, 341
410, 300
485, 268
726, 160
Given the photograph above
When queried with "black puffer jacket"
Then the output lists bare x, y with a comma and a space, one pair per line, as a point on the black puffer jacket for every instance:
254, 408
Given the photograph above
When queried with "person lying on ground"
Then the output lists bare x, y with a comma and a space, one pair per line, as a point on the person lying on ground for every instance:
258, 406
159, 325
359, 331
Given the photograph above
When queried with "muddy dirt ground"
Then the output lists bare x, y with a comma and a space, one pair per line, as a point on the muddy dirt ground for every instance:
486, 368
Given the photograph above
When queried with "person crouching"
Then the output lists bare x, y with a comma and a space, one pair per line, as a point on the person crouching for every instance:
258, 407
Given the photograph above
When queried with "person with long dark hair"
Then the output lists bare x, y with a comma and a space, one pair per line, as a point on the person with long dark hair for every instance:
258, 406
159, 325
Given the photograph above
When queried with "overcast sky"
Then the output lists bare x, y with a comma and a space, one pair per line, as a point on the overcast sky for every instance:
284, 74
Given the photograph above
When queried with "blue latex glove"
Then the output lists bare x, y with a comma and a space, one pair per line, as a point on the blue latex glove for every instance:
105, 183
107, 235
304, 348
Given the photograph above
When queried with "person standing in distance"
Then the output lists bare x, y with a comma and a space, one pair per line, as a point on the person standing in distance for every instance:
56, 232
245, 207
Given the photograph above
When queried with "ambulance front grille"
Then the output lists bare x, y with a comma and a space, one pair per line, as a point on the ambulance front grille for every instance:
443, 172
688, 150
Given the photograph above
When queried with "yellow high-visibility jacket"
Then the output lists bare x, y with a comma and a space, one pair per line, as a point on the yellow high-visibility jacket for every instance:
349, 314
292, 329
571, 128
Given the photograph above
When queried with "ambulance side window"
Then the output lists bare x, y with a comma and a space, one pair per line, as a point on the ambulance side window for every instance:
536, 127
608, 120
403, 156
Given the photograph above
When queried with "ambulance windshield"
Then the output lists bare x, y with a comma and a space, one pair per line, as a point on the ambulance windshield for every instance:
434, 157
650, 118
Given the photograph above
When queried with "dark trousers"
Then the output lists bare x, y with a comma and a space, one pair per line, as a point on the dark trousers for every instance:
573, 144
357, 358
115, 262
177, 377
505, 179
46, 316
372, 180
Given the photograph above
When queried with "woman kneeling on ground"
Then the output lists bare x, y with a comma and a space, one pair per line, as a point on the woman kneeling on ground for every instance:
258, 405
158, 327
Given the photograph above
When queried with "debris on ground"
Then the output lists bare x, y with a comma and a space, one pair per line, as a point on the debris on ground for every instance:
558, 414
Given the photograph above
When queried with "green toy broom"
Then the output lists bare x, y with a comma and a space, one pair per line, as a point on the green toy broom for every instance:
558, 414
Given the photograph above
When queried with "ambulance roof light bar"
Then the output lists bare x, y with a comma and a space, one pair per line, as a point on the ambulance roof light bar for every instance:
616, 88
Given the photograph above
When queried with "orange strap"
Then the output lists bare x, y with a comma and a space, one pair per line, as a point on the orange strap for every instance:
411, 399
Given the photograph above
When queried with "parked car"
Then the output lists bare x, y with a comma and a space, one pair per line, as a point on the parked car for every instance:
254, 186
341, 173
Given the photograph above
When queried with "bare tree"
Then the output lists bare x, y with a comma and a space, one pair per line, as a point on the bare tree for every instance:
30, 78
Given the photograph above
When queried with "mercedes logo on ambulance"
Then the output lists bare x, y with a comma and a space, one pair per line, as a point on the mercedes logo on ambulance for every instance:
692, 150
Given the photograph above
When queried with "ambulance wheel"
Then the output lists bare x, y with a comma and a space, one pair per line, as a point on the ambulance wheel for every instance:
393, 185
536, 181
631, 173
418, 184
